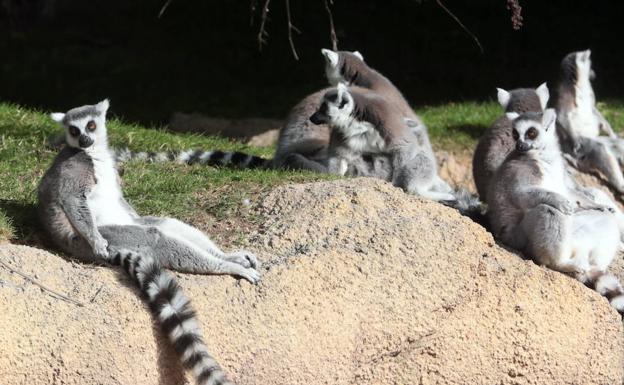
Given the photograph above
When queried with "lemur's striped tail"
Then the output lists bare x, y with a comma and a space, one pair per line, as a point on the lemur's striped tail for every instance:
210, 158
610, 287
175, 315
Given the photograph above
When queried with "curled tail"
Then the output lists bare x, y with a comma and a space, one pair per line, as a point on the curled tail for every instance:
175, 315
211, 158
468, 205
610, 287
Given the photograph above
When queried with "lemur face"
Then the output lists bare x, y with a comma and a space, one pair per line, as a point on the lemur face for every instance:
583, 65
84, 126
533, 131
337, 105
336, 62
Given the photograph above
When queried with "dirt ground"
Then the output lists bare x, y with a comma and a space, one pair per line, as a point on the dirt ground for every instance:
362, 284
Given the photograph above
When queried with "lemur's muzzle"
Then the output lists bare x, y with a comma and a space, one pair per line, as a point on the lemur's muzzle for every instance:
84, 141
522, 147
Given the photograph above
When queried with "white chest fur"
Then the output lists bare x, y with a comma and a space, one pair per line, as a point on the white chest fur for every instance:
582, 119
104, 200
553, 172
362, 137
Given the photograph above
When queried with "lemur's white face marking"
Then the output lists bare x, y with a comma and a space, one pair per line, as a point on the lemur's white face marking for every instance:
583, 65
543, 94
533, 131
336, 107
85, 126
333, 65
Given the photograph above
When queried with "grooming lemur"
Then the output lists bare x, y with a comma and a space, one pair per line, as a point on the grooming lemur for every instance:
365, 122
82, 209
534, 209
497, 142
580, 123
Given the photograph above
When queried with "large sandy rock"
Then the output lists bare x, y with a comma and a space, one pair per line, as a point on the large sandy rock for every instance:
362, 285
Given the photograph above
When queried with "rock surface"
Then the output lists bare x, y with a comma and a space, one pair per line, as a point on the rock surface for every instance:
362, 285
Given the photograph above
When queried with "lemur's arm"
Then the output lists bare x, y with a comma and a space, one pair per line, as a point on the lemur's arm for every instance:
81, 218
531, 197
583, 196
604, 125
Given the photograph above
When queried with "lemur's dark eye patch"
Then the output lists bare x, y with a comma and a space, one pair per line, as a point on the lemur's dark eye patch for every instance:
532, 133
91, 126
74, 131
515, 135
343, 103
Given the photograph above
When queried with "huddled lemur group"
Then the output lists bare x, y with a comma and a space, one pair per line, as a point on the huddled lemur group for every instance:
360, 126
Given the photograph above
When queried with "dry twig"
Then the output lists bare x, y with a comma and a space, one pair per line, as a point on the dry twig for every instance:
45, 288
516, 13
332, 30
164, 8
460, 24
291, 27
262, 34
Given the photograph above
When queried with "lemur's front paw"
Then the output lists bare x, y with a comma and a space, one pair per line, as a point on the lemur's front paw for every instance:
252, 275
566, 207
244, 258
100, 248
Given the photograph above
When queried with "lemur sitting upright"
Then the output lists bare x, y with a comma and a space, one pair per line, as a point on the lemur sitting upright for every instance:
580, 123
534, 208
365, 122
82, 209
497, 142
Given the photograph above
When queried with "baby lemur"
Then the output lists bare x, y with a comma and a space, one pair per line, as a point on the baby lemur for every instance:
82, 209
497, 142
365, 122
580, 123
533, 208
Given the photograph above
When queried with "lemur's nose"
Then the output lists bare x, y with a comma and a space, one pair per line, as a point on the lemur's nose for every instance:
85, 141
522, 146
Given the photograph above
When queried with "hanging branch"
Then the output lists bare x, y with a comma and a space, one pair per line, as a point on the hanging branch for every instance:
332, 30
516, 13
460, 24
164, 8
291, 27
262, 34
252, 11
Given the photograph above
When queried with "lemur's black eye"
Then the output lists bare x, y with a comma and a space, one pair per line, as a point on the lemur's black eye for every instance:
74, 131
343, 103
91, 126
532, 133
515, 135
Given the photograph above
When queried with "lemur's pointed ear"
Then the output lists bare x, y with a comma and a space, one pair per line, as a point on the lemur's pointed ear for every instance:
512, 115
359, 55
549, 118
57, 116
331, 57
543, 94
503, 97
103, 106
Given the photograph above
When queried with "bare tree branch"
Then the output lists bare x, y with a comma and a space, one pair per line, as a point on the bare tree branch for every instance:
332, 30
291, 27
262, 34
461, 24
164, 8
516, 13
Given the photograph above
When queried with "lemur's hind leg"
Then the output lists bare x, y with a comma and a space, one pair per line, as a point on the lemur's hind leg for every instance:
196, 238
418, 175
601, 159
548, 234
296, 161
171, 252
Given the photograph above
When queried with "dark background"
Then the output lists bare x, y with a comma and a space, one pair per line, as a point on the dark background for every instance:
202, 56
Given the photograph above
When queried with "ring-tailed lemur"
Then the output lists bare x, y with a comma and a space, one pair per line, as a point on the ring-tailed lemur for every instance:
497, 142
366, 122
580, 123
83, 210
533, 209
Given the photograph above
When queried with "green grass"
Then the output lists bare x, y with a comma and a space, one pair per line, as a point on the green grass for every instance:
200, 195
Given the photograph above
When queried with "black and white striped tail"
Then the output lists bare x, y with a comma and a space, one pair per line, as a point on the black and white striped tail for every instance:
610, 287
468, 205
210, 158
175, 315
